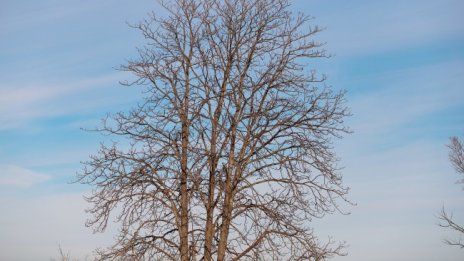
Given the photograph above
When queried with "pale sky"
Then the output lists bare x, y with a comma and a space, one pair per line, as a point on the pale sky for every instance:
402, 63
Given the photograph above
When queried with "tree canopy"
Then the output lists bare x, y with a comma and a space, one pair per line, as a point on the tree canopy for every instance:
230, 153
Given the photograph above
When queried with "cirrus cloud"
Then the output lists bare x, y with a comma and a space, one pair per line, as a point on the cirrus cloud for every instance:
19, 177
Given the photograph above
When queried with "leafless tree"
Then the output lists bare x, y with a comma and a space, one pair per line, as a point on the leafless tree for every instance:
230, 153
63, 256
457, 159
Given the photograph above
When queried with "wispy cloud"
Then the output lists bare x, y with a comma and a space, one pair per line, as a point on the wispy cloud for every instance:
25, 103
19, 177
406, 96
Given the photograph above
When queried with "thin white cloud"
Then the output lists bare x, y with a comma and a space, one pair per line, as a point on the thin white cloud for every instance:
405, 96
19, 177
20, 104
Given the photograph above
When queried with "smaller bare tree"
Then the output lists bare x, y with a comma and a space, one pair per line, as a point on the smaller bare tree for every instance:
63, 256
457, 159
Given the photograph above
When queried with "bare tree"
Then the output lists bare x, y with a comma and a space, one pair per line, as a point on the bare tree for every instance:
230, 154
63, 256
457, 159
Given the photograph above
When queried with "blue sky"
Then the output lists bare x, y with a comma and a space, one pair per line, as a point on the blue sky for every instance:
402, 63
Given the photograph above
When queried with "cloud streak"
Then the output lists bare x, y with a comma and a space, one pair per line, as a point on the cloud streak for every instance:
25, 103
406, 96
19, 177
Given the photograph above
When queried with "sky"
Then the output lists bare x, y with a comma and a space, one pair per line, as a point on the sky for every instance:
401, 62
